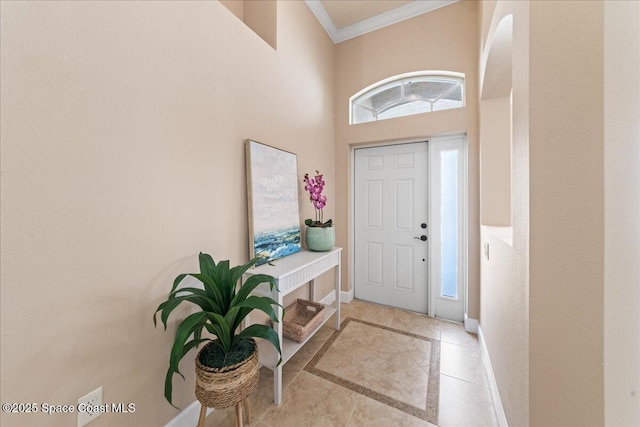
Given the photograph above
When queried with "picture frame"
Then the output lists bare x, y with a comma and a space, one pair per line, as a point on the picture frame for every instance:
272, 193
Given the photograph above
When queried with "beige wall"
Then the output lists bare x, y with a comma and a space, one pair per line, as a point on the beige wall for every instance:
261, 17
235, 6
542, 309
487, 8
561, 325
505, 291
567, 213
122, 129
446, 39
621, 207
495, 161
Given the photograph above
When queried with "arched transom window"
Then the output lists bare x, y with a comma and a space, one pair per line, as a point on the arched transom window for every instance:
408, 94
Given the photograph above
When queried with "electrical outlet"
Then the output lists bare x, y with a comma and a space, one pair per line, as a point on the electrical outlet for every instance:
89, 407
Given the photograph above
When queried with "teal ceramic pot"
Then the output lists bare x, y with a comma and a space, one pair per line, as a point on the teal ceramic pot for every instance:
320, 239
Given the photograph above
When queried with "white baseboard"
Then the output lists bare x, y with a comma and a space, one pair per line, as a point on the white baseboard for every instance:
188, 417
493, 386
470, 325
345, 297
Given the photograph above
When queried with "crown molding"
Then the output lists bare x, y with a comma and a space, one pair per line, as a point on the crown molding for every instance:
323, 17
374, 23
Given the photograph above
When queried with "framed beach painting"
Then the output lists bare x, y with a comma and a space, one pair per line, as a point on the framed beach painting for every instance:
272, 191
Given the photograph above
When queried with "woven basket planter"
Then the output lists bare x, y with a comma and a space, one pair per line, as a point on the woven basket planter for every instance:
224, 387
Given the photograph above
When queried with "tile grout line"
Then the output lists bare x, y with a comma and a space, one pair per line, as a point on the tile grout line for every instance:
260, 419
480, 366
464, 381
462, 346
359, 396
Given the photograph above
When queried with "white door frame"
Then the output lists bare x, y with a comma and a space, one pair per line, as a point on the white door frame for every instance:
434, 222
351, 216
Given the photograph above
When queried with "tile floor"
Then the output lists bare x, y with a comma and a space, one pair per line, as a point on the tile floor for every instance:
394, 367
311, 400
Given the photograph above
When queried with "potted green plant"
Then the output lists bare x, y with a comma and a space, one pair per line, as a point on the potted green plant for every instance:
320, 236
227, 366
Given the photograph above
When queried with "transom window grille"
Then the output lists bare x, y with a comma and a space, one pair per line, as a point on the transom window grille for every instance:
408, 94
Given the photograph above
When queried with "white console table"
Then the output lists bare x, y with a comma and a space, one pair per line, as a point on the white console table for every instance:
291, 273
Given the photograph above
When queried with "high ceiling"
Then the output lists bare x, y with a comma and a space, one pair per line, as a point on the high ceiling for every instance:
348, 12
345, 19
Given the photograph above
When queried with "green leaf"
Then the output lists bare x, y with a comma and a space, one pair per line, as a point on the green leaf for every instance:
168, 306
224, 332
206, 279
251, 283
262, 331
238, 271
230, 318
213, 302
207, 264
225, 282
195, 291
168, 387
177, 281
242, 313
185, 329
197, 334
216, 284
217, 331
264, 304
210, 287
162, 305
193, 343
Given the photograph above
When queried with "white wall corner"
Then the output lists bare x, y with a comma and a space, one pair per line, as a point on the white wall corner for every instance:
188, 417
345, 297
470, 325
493, 385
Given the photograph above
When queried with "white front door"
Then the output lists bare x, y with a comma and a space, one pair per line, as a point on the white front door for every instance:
391, 215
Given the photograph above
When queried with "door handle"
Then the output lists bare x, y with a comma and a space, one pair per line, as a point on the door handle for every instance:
423, 238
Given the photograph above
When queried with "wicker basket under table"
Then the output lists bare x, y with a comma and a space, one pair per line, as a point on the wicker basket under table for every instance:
301, 318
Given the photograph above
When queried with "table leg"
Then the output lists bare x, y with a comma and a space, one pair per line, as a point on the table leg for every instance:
312, 289
277, 371
247, 409
277, 385
239, 422
337, 278
203, 415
